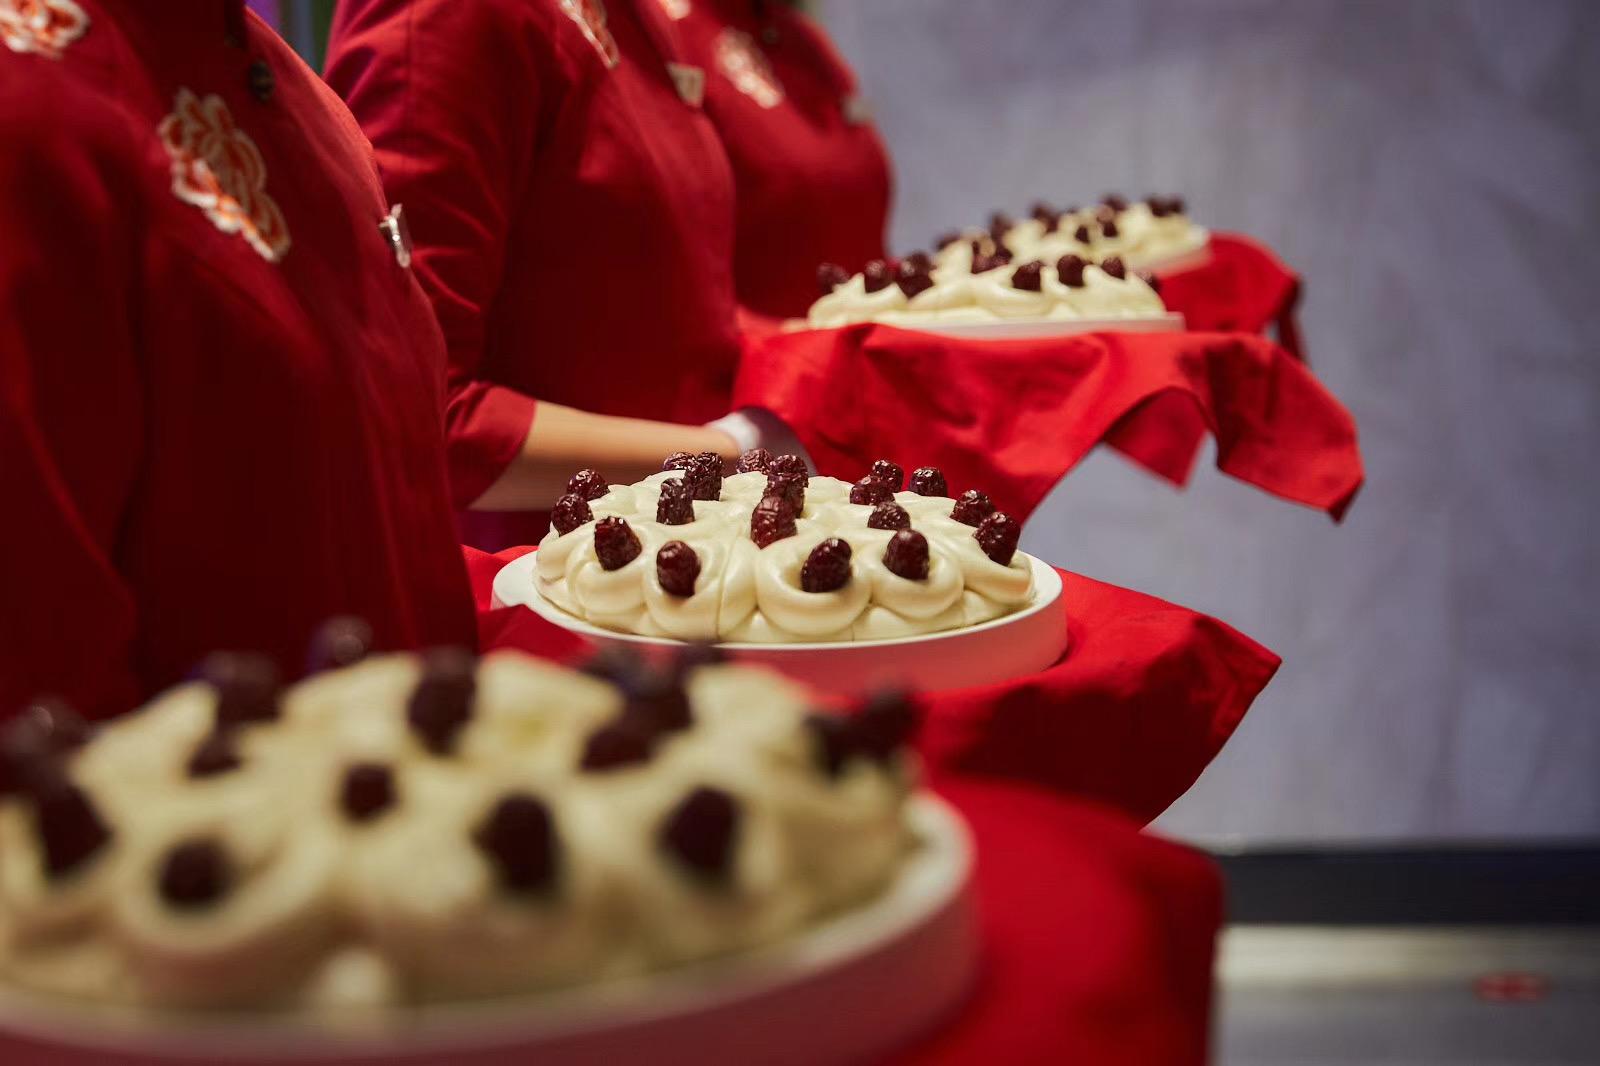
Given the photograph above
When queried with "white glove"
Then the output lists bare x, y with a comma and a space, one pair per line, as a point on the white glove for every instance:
757, 427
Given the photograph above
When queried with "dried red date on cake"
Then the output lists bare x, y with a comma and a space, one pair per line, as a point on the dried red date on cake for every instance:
367, 791
907, 555
929, 481
912, 281
248, 687
771, 521
701, 831
920, 262
615, 543
886, 724
877, 276
754, 461
788, 464
194, 874
830, 276
998, 535
442, 701
570, 512
999, 224
827, 568
1114, 267
1029, 277
675, 506
1045, 215
677, 461
677, 568
660, 704
617, 744
1070, 270
69, 827
339, 642
889, 516
1108, 228
789, 487
869, 490
1115, 202
519, 837
32, 742
892, 473
216, 754
587, 483
833, 739
1151, 280
1157, 205
972, 508
1081, 234
705, 476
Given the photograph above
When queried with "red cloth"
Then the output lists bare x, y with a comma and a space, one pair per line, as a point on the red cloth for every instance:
201, 447
1243, 287
573, 214
1144, 699
1098, 940
811, 172
1012, 417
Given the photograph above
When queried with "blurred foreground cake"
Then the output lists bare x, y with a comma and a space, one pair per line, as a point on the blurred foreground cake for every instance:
413, 829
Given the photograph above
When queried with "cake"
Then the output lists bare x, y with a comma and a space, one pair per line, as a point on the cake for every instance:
1144, 235
768, 555
1052, 266
416, 829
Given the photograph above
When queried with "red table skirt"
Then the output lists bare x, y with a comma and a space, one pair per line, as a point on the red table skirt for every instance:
1098, 940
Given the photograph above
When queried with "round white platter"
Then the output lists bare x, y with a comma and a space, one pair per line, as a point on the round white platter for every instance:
1045, 328
1018, 644
847, 990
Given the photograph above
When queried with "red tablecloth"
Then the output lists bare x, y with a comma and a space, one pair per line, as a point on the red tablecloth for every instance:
1012, 417
1141, 703
1098, 940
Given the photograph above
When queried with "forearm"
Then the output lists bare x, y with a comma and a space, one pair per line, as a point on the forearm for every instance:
563, 440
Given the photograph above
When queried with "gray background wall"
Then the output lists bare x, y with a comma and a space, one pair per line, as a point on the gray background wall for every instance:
1433, 168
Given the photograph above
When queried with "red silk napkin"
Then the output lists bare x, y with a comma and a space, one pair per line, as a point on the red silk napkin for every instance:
1242, 287
1144, 699
1012, 417
1098, 940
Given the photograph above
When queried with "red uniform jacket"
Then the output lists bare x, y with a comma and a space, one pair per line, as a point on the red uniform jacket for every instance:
811, 173
219, 389
572, 209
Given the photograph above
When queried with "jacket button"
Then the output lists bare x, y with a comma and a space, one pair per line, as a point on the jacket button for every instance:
261, 80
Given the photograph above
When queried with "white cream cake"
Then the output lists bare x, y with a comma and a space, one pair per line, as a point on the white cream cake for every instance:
770, 555
412, 829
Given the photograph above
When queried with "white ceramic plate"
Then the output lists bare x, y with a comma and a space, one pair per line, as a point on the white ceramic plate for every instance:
905, 961
1199, 254
1021, 643
1041, 328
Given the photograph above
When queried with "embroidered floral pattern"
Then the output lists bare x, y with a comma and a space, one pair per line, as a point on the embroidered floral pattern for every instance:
590, 15
675, 9
744, 64
43, 27
217, 167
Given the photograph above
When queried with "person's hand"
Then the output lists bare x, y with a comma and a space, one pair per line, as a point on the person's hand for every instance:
757, 427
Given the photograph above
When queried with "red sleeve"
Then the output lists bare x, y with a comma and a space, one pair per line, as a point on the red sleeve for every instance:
70, 412
448, 93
